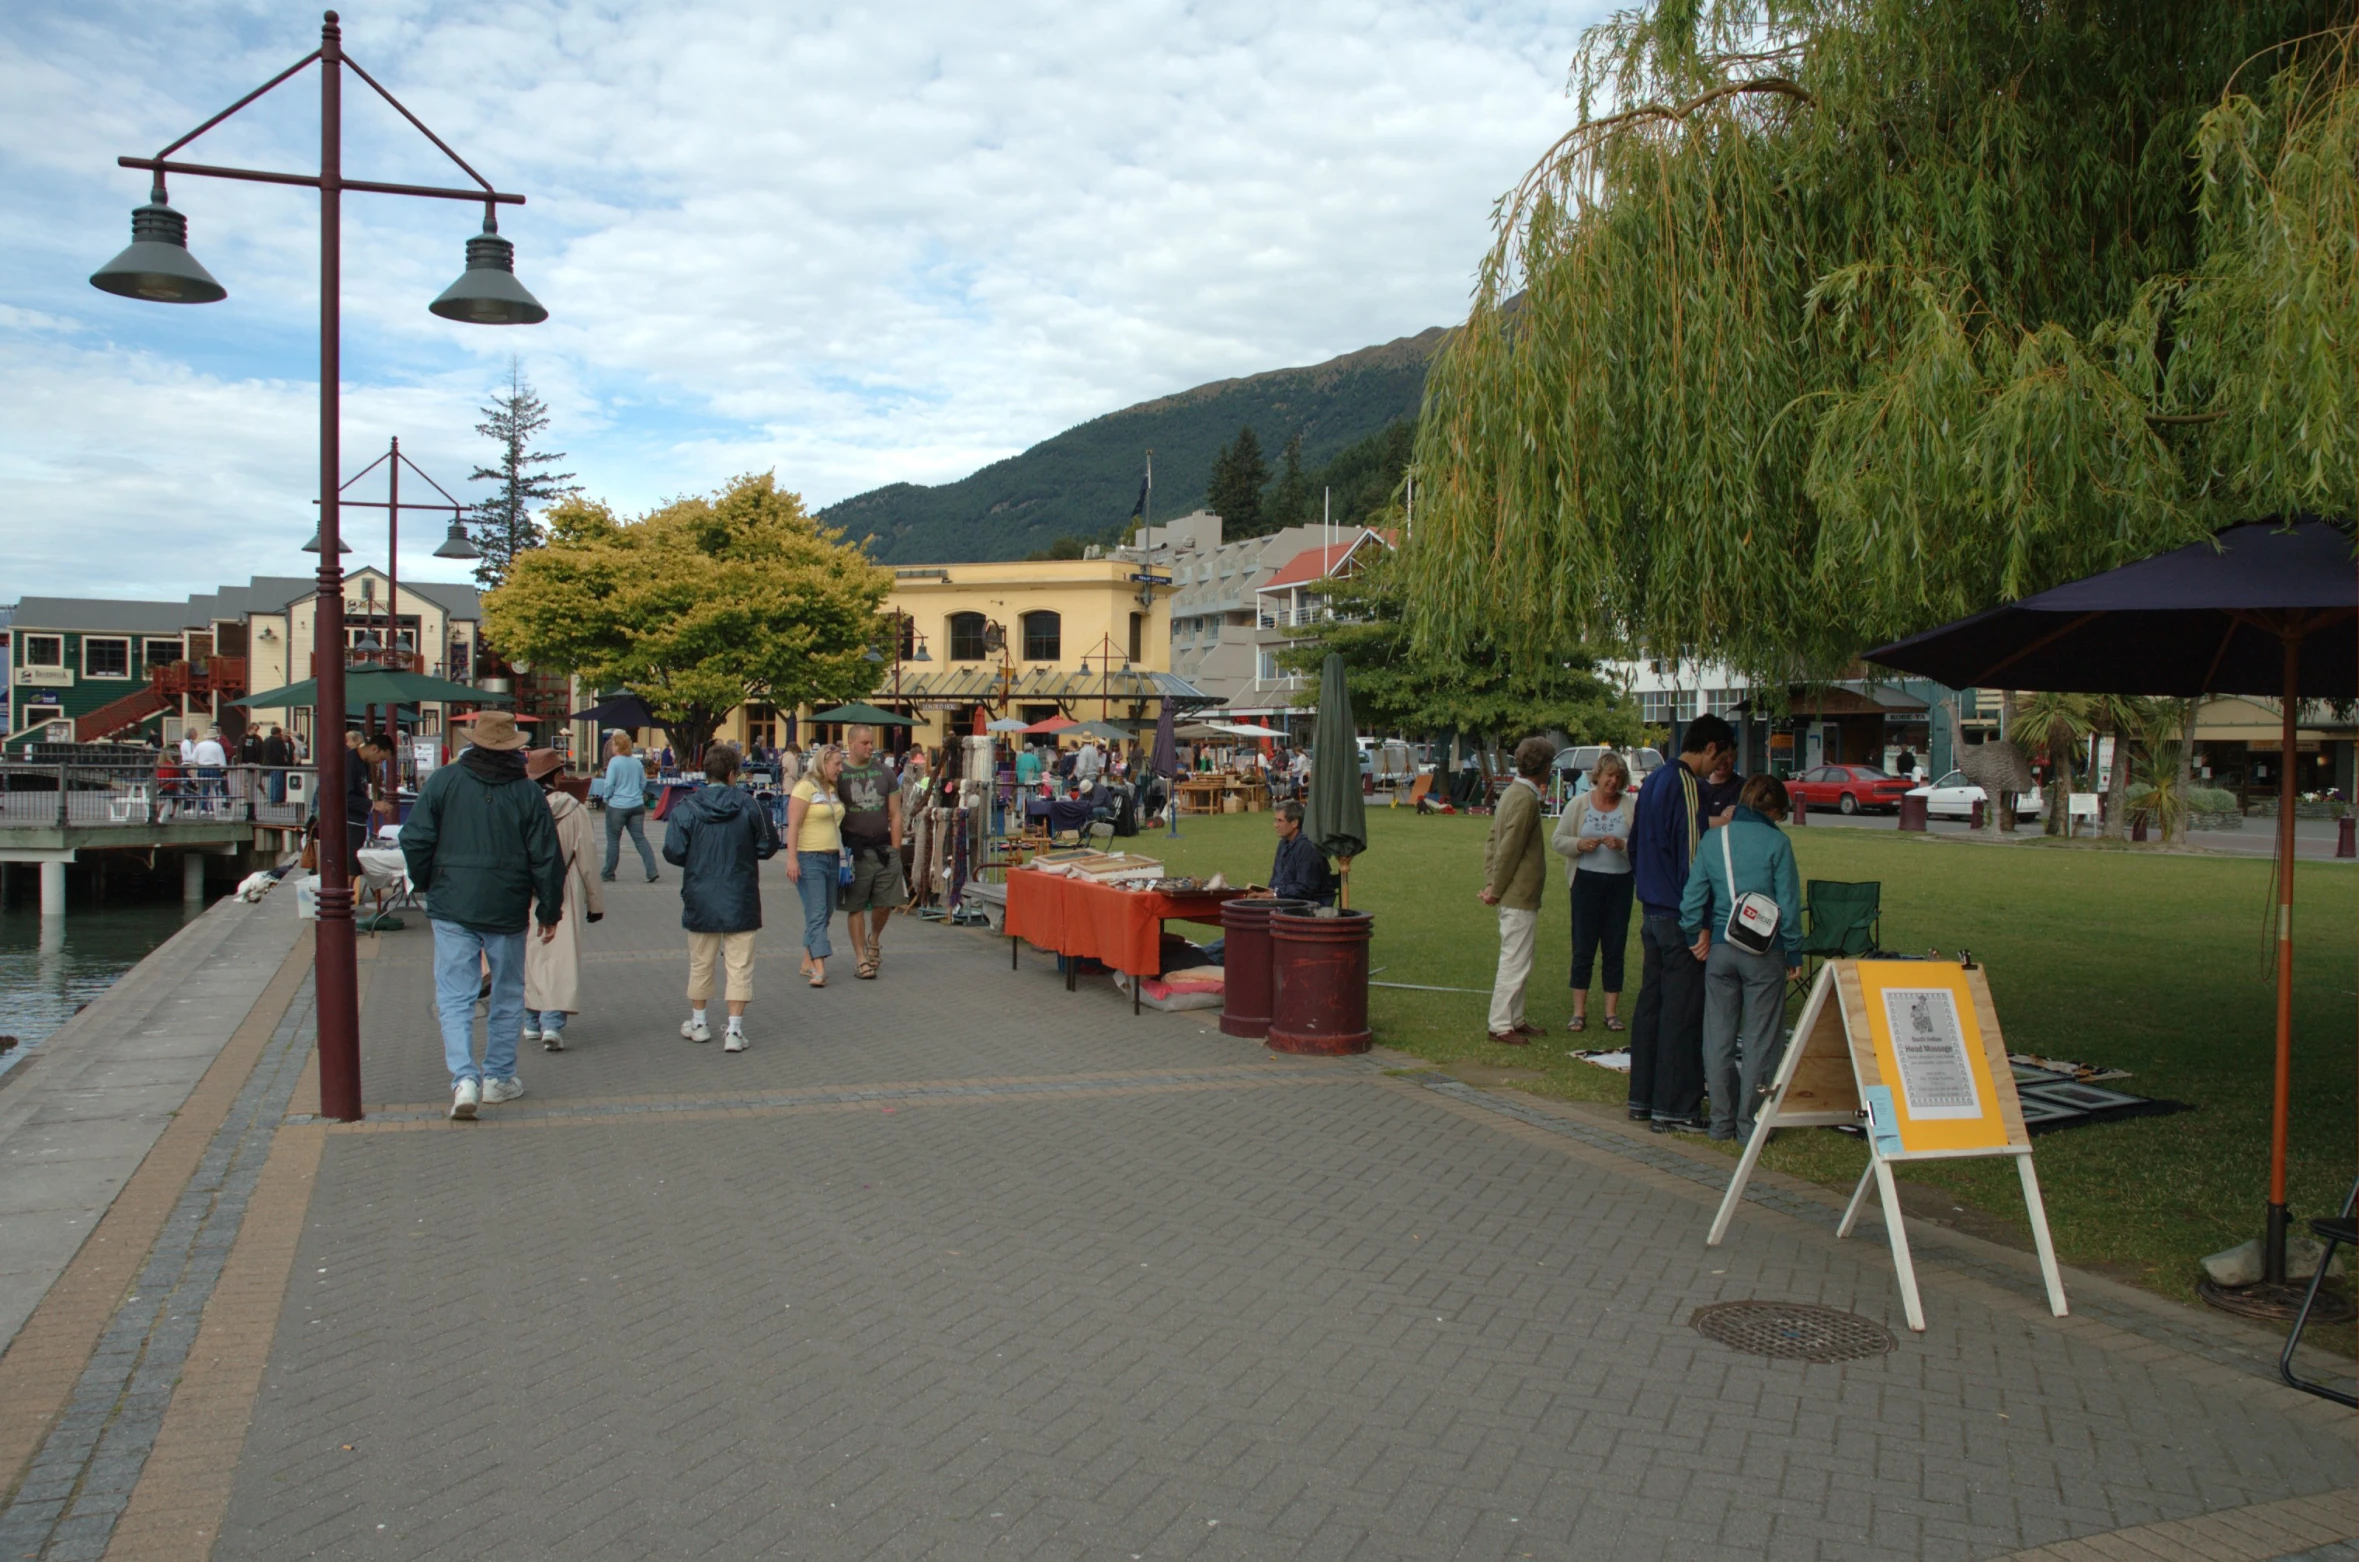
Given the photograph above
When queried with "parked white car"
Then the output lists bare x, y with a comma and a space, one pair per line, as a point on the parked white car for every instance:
1954, 797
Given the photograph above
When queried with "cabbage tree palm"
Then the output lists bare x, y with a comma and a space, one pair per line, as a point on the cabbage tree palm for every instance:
2057, 723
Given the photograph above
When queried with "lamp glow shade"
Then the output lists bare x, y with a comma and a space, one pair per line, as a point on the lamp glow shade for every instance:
456, 545
487, 292
157, 266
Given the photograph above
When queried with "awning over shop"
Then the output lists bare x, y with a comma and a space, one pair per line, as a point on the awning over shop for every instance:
978, 683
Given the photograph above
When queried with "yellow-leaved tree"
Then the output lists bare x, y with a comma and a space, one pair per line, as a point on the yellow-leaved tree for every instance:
698, 606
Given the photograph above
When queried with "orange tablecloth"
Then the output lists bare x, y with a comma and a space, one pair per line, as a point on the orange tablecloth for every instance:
1119, 928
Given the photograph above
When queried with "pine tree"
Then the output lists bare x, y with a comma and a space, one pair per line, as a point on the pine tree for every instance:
1290, 497
1238, 476
502, 525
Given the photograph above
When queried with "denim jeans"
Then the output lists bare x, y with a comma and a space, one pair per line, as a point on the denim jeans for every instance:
546, 1021
1744, 1018
1667, 1025
635, 821
457, 974
818, 889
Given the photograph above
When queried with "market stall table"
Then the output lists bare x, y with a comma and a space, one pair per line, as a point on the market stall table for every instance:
1081, 920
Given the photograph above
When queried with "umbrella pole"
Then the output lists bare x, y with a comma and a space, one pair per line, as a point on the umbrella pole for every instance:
1343, 887
2273, 1240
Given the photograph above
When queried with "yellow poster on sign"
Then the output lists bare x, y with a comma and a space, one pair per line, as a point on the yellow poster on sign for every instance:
1936, 1085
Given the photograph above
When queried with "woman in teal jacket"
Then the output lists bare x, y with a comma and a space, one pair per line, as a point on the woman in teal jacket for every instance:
624, 790
1744, 993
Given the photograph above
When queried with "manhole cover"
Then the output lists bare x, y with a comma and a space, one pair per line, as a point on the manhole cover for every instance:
1793, 1331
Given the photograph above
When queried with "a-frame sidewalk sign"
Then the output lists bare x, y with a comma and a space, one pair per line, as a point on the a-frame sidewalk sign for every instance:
1911, 1050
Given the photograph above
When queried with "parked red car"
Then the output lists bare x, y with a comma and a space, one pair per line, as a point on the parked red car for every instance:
1849, 788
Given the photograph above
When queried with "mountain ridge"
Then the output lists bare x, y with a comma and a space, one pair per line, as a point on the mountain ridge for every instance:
1084, 481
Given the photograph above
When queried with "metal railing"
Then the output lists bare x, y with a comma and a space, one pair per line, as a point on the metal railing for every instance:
136, 794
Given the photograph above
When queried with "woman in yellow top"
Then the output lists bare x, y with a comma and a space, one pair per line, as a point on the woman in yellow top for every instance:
814, 819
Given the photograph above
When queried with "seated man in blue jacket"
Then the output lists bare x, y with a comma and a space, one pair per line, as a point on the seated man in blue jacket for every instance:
1299, 871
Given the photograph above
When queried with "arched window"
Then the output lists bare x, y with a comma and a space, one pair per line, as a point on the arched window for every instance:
966, 637
1044, 636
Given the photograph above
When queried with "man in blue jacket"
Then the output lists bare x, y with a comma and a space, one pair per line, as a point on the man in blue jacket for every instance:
1667, 1026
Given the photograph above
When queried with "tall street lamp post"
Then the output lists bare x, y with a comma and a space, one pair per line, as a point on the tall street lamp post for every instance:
158, 267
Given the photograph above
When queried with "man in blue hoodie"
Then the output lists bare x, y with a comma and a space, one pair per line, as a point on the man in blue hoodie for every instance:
1667, 1025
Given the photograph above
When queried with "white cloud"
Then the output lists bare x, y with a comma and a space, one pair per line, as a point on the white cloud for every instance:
861, 244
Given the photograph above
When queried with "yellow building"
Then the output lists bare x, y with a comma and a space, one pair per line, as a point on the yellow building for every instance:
1088, 638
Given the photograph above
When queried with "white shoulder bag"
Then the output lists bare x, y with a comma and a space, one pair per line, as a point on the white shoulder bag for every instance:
1752, 921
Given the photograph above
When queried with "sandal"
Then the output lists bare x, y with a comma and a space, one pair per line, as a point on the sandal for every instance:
1614, 1022
865, 970
1577, 1023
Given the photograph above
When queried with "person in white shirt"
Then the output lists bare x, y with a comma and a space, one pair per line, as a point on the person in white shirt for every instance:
1087, 763
212, 762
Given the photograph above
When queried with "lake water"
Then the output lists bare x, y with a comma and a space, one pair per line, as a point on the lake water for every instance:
52, 966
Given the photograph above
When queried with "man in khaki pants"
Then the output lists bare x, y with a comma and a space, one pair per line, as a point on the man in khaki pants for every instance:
1515, 867
719, 837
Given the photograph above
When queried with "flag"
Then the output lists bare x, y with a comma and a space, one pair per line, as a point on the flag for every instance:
1140, 508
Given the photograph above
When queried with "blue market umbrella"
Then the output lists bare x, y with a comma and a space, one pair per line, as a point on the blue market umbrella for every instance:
1335, 818
2266, 607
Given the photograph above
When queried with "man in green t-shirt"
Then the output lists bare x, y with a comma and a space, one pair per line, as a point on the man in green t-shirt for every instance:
872, 834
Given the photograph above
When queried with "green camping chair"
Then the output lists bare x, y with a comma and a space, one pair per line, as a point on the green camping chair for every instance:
1840, 921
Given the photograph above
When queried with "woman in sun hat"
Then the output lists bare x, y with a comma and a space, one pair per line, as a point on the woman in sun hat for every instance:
553, 971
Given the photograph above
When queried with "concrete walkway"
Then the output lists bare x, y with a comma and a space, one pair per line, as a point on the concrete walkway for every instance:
954, 1264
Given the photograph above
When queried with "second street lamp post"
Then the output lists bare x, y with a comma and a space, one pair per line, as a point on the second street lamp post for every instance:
158, 267
454, 546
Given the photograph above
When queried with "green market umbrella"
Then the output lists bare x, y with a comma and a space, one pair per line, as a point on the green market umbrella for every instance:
1335, 818
860, 715
366, 686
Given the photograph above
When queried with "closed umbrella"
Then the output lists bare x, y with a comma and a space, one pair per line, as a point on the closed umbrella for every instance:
1164, 761
2264, 608
1336, 820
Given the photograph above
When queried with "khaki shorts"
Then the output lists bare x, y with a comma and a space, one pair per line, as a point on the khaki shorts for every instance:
876, 881
736, 950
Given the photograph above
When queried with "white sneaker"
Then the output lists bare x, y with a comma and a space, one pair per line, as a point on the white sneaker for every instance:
552, 1041
465, 1096
696, 1030
735, 1041
497, 1090
530, 1034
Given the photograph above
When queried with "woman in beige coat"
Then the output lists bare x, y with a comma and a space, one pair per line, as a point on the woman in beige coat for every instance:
553, 970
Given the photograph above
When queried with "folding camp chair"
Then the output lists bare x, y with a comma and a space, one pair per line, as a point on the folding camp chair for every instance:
2342, 1231
1840, 920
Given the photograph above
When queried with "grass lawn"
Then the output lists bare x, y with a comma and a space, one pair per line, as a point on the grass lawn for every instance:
2156, 964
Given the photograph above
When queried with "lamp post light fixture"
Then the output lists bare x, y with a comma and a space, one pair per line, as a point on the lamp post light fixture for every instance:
159, 268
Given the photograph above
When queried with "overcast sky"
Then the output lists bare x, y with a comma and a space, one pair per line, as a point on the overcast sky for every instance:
855, 244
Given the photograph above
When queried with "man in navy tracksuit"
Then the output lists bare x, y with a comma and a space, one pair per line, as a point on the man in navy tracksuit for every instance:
1667, 1026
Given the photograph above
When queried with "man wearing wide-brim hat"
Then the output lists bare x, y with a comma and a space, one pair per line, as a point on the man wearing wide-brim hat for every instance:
482, 847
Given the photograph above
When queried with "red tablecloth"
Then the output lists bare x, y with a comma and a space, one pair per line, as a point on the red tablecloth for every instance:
1119, 928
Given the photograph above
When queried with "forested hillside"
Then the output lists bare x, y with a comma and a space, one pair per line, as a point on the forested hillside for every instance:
1083, 483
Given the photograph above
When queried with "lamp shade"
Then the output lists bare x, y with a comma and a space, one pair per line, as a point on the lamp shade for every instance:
313, 545
921, 655
158, 266
487, 292
456, 545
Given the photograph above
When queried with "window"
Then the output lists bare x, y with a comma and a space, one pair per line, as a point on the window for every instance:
105, 657
1138, 634
1654, 707
1044, 635
1723, 702
159, 653
37, 714
1269, 667
44, 650
966, 637
908, 637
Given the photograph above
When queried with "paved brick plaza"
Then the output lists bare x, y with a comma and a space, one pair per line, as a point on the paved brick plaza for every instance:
955, 1264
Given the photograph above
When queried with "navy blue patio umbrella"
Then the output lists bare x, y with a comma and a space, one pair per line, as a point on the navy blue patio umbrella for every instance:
2267, 607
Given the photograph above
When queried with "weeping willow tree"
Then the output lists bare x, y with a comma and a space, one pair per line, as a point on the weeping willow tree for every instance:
1859, 315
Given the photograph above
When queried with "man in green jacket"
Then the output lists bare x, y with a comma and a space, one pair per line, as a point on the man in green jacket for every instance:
1515, 866
482, 848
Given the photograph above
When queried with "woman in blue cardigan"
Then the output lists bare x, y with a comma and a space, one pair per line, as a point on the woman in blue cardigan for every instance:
624, 791
1744, 993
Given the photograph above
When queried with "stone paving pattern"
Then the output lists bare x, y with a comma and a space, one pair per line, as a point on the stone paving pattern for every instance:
896, 1287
